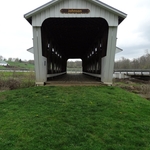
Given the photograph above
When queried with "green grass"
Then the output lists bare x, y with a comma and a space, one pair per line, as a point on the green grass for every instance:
2, 67
22, 65
74, 118
15, 74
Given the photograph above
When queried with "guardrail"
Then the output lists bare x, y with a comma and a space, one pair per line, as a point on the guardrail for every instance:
131, 70
55, 75
92, 74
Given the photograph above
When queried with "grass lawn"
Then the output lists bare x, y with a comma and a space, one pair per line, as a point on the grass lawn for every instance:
2, 67
22, 65
74, 118
15, 74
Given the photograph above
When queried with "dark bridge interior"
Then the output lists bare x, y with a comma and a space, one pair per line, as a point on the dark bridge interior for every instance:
65, 38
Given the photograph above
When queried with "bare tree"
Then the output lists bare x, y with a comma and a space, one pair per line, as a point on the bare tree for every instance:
1, 58
10, 59
139, 63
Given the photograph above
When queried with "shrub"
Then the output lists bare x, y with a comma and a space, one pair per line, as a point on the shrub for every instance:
145, 89
13, 83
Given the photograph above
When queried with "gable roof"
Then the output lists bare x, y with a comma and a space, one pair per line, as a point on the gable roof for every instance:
121, 15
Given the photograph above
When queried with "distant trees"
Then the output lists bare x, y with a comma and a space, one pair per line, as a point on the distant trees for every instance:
31, 62
9, 59
74, 64
140, 63
1, 58
16, 59
20, 60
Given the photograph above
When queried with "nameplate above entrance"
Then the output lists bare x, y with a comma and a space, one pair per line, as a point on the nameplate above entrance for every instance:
74, 11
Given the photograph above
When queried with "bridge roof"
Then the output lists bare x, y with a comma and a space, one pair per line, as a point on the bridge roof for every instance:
121, 15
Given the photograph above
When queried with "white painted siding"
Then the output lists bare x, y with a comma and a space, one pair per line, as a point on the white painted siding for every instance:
95, 11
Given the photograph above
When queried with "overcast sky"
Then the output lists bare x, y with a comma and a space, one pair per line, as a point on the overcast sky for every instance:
16, 33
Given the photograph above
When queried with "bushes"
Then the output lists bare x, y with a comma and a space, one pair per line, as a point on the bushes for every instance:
145, 89
134, 85
12, 84
16, 80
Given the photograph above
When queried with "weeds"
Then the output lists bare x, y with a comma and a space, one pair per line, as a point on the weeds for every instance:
145, 89
15, 80
136, 86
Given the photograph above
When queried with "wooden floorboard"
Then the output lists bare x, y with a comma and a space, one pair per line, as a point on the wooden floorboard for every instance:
74, 79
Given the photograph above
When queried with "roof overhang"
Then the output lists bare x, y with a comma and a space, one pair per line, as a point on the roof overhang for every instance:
31, 50
118, 50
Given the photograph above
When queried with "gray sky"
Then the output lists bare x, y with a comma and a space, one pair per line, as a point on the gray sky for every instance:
16, 32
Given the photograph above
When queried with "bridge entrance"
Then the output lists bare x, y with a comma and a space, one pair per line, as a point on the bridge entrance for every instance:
82, 29
74, 66
65, 38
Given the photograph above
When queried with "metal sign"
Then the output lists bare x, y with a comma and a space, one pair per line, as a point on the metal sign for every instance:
74, 11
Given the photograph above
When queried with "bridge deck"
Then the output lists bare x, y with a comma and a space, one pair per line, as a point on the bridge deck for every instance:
74, 79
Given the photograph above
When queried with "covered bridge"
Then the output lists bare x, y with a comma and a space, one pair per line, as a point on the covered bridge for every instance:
65, 29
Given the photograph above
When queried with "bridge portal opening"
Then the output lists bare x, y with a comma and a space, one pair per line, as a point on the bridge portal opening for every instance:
74, 66
64, 38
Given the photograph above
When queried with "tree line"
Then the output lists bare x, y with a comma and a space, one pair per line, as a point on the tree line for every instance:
74, 64
16, 60
142, 62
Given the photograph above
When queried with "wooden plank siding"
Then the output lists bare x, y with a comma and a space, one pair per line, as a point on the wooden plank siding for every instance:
95, 11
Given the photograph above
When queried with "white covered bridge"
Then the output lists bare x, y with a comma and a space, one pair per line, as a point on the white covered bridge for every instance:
65, 29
